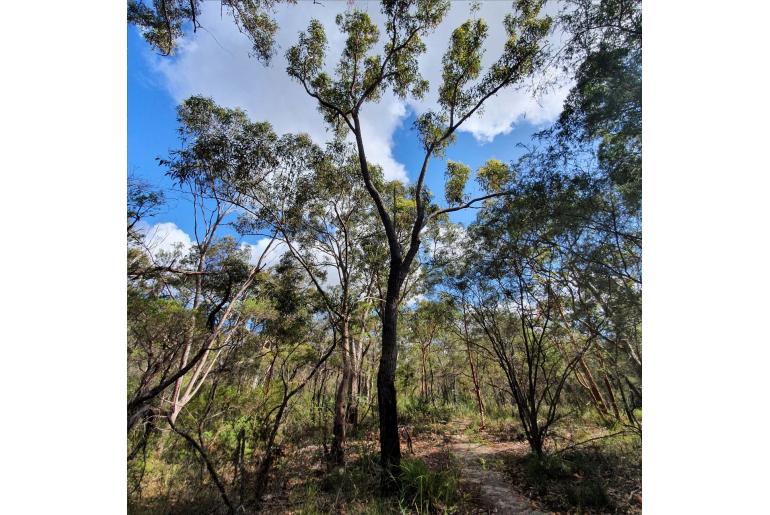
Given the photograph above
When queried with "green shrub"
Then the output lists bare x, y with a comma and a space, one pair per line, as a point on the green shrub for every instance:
310, 502
588, 494
427, 491
360, 475
546, 467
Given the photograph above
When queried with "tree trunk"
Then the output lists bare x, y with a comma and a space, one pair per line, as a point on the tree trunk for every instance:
476, 385
337, 455
265, 464
535, 441
176, 406
269, 375
613, 402
424, 382
432, 381
474, 374
599, 401
354, 390
390, 446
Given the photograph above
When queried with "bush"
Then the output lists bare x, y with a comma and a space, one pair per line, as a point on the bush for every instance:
588, 494
546, 467
360, 475
427, 491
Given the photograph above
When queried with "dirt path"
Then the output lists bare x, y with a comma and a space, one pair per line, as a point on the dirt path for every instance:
494, 488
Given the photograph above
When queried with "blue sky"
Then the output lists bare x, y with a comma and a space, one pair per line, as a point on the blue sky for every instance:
214, 62
152, 130
466, 149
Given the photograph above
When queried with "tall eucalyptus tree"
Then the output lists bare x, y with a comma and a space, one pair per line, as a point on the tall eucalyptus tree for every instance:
362, 76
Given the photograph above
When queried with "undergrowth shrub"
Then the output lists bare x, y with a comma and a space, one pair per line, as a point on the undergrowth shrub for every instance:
420, 413
546, 467
579, 477
590, 493
427, 491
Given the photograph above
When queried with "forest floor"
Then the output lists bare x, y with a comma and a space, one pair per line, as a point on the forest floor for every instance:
492, 488
476, 471
497, 467
497, 474
485, 486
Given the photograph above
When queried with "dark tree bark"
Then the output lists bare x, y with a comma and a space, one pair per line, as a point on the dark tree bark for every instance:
337, 454
390, 444
354, 388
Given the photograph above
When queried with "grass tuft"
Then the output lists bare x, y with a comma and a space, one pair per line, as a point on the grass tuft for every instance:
428, 491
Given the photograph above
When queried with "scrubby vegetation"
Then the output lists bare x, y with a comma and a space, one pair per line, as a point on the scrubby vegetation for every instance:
337, 366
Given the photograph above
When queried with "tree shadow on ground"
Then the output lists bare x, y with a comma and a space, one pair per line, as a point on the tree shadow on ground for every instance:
589, 480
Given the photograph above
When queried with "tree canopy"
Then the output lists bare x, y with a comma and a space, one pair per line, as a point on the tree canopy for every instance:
364, 325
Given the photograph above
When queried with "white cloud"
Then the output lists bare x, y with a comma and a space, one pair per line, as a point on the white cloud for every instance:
412, 301
279, 248
215, 62
273, 255
166, 237
510, 106
495, 121
379, 123
450, 244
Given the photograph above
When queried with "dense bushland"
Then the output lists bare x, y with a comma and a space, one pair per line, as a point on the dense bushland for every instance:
292, 375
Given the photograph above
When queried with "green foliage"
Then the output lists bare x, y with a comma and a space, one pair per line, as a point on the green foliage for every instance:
462, 64
605, 105
542, 468
258, 309
428, 491
161, 25
362, 34
222, 147
433, 129
360, 76
456, 176
419, 411
493, 175
164, 24
544, 270
156, 326
521, 55
306, 58
143, 200
588, 494
580, 479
